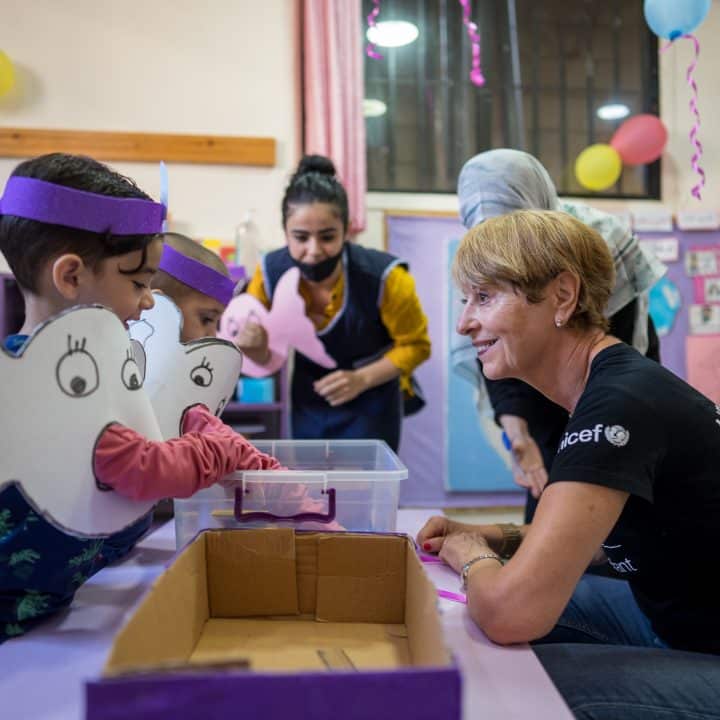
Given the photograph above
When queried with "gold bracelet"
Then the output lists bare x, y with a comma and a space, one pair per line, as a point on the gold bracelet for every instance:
511, 539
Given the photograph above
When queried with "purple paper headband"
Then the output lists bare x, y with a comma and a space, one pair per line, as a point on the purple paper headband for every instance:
58, 205
196, 275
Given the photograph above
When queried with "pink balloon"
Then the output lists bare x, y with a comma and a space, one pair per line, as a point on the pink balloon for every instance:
640, 139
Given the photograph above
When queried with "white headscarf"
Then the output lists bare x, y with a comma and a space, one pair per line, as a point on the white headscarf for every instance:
497, 182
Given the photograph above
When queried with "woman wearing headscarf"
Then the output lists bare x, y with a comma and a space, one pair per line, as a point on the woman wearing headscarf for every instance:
497, 182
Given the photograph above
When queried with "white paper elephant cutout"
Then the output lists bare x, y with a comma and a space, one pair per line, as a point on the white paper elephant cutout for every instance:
286, 323
75, 375
179, 375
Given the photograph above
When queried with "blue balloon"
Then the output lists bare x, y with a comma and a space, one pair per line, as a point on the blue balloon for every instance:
673, 18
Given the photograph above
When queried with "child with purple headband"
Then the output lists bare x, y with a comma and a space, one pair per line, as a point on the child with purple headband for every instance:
198, 282
75, 232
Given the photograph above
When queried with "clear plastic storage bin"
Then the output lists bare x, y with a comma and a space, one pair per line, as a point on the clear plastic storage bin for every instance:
329, 484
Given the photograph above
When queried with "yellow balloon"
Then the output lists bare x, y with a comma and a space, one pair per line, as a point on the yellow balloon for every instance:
7, 74
598, 167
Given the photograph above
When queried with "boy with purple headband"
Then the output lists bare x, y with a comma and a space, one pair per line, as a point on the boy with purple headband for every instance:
75, 232
197, 281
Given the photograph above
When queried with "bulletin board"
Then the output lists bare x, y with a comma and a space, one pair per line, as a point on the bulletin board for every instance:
691, 345
452, 448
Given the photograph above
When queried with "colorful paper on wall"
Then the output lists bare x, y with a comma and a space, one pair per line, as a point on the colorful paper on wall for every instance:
653, 220
707, 289
704, 319
702, 261
665, 249
703, 364
476, 458
698, 220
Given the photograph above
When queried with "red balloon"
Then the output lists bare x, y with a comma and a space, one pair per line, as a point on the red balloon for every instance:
640, 139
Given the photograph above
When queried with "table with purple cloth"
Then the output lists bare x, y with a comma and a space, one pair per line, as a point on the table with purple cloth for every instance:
42, 674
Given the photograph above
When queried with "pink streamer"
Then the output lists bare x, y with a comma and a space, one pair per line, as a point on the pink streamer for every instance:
370, 49
447, 594
455, 597
695, 160
429, 559
690, 77
476, 76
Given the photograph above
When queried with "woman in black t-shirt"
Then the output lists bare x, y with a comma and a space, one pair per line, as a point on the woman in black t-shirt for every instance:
635, 482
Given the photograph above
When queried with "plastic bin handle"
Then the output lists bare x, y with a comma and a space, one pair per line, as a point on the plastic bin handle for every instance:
301, 517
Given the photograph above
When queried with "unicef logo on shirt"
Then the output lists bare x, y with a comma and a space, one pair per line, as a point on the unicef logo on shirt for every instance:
617, 435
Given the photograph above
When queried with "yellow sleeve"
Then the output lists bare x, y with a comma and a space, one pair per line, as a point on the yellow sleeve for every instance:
406, 323
256, 287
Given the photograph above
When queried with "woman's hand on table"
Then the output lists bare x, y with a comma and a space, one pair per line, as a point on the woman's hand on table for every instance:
431, 536
454, 542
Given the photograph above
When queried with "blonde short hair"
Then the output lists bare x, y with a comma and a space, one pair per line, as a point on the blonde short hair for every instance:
528, 248
171, 286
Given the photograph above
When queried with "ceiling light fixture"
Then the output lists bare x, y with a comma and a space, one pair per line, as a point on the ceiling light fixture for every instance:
613, 111
373, 107
392, 33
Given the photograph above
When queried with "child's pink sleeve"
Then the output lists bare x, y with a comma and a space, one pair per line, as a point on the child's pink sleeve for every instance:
294, 497
199, 419
142, 469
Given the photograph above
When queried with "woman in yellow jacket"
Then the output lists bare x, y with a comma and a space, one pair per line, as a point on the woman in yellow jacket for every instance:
365, 310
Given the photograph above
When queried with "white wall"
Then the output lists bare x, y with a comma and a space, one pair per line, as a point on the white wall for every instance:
224, 67
230, 67
677, 174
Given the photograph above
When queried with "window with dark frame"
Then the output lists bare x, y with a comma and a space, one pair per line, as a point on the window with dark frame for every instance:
549, 66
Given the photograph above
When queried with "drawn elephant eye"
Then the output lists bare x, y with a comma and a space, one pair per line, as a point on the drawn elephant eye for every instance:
130, 374
202, 374
76, 371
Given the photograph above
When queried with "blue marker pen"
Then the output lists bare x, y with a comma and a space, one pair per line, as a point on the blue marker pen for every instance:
506, 442
508, 446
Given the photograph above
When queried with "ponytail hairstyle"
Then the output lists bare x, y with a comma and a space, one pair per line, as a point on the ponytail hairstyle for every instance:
315, 181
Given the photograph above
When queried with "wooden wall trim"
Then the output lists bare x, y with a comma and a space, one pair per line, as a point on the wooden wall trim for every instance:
139, 147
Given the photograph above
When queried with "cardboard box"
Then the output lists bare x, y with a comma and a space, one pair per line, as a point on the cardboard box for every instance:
277, 624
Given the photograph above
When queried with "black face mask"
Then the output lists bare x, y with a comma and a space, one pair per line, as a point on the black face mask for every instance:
319, 271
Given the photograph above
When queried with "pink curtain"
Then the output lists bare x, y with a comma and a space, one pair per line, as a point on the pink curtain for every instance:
333, 93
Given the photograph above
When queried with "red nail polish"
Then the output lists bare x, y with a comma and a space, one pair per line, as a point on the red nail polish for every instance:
427, 546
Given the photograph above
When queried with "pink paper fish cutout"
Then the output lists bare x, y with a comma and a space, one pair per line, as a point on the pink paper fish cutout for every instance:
286, 324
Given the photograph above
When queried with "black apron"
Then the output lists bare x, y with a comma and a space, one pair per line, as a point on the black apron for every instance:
355, 337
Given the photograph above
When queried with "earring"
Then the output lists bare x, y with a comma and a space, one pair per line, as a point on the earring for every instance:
558, 323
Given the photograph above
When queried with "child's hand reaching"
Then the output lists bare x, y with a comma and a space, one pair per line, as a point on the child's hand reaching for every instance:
252, 340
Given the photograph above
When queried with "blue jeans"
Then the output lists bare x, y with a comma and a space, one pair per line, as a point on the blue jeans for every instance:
608, 664
603, 610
